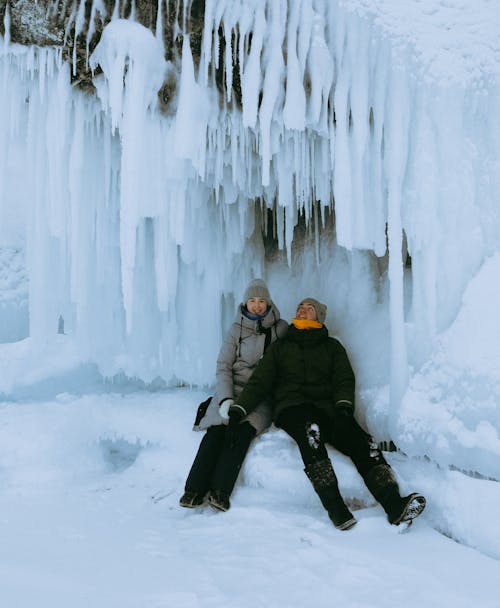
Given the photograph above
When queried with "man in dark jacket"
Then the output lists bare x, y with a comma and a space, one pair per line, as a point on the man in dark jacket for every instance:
312, 383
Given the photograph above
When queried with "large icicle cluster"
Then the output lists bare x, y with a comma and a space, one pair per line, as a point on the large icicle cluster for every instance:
142, 230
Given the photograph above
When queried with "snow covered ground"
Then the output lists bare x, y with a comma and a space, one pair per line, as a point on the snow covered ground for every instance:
89, 517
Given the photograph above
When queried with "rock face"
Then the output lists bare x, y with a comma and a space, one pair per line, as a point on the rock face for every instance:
76, 27
30, 23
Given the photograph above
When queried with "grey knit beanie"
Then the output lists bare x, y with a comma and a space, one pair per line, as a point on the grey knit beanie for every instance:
256, 289
318, 307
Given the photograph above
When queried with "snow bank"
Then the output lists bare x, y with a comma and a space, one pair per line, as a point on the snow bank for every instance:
65, 462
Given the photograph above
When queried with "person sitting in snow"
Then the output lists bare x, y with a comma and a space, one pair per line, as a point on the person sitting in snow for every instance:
224, 446
311, 381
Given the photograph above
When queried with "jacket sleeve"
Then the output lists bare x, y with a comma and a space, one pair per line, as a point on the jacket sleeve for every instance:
344, 383
224, 371
261, 382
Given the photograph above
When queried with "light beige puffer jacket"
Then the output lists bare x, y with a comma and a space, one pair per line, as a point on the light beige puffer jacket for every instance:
240, 352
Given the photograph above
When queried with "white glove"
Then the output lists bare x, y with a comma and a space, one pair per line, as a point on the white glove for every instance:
224, 408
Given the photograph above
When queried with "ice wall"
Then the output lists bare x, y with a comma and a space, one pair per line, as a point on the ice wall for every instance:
142, 230
450, 410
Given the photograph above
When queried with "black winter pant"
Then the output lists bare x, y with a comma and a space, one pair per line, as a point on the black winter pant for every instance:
311, 428
219, 459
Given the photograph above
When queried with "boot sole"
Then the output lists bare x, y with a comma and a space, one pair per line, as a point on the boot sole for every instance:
347, 525
217, 506
191, 506
196, 499
413, 508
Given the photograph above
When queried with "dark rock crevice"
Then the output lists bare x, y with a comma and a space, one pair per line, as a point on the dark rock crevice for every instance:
60, 23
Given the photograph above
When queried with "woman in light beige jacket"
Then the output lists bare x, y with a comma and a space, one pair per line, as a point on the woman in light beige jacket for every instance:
228, 437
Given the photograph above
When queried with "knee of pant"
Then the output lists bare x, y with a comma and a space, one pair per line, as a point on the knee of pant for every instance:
298, 433
371, 459
346, 424
216, 431
375, 452
214, 435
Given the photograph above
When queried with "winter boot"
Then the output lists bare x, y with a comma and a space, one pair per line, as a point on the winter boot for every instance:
191, 499
219, 500
382, 484
324, 481
408, 508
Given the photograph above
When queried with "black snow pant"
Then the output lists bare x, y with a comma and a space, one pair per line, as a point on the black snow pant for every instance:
312, 428
219, 459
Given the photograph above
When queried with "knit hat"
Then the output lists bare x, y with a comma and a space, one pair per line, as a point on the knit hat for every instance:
257, 289
318, 307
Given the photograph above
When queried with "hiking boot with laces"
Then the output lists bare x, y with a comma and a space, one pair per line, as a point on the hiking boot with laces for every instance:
381, 482
410, 507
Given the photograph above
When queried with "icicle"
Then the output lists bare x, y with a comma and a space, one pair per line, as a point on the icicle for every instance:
316, 234
132, 16
80, 19
251, 73
228, 62
191, 116
159, 21
358, 134
126, 44
96, 7
342, 167
290, 222
295, 100
116, 11
396, 147
273, 82
207, 41
6, 27
320, 69
186, 8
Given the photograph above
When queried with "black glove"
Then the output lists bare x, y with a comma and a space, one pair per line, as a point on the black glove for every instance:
235, 417
201, 411
343, 408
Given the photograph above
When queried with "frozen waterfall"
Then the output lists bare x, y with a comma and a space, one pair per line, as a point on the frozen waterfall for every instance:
362, 166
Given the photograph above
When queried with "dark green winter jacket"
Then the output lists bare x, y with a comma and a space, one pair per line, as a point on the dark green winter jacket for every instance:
305, 367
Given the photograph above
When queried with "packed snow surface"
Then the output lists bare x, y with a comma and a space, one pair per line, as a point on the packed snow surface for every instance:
89, 516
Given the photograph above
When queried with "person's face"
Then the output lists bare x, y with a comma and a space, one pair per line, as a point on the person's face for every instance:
256, 306
306, 311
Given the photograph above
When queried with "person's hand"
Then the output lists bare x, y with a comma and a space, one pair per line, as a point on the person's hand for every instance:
343, 416
224, 408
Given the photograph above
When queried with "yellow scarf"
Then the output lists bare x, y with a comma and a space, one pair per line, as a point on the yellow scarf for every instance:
306, 324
